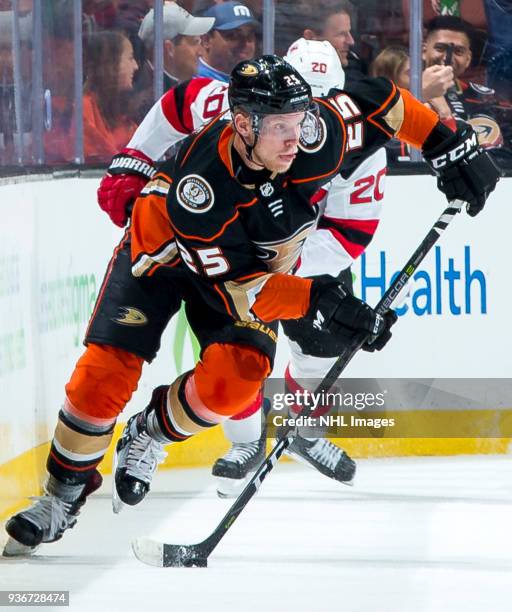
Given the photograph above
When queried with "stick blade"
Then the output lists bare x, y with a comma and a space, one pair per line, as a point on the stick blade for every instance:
149, 551
159, 554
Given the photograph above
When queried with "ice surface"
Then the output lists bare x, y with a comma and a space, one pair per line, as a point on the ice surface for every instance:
412, 535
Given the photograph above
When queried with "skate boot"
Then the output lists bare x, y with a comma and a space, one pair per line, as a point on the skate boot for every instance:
235, 469
136, 458
45, 521
324, 456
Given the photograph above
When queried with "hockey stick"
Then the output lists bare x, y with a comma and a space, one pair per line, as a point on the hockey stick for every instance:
160, 554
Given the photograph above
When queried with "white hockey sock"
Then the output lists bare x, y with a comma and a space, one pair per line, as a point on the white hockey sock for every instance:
304, 367
243, 430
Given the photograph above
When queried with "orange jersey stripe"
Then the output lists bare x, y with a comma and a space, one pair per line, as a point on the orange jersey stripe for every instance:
255, 275
159, 266
74, 468
224, 148
162, 175
381, 110
222, 229
107, 276
201, 133
223, 297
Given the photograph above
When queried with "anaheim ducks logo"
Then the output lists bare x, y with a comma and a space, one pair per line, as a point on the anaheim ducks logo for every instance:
248, 70
128, 315
487, 130
482, 89
282, 255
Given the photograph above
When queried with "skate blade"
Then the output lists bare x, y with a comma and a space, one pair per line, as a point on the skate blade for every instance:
228, 488
13, 548
117, 504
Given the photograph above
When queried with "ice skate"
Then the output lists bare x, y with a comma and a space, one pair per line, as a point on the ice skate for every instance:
136, 458
325, 457
45, 521
234, 470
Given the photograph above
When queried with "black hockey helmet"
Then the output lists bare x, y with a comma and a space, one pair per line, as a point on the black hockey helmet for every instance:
268, 85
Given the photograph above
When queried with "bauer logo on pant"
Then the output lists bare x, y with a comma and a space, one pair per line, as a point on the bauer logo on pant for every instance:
195, 194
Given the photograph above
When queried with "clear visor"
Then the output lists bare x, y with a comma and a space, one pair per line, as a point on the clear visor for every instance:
291, 126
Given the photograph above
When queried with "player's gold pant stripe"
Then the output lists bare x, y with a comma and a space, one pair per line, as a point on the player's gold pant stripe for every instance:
76, 442
177, 414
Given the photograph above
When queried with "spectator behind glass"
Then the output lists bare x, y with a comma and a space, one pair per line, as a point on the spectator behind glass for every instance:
182, 43
256, 6
129, 15
109, 68
102, 13
182, 46
330, 20
393, 63
231, 40
490, 116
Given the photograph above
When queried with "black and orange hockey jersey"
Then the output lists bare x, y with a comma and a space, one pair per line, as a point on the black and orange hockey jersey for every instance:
239, 232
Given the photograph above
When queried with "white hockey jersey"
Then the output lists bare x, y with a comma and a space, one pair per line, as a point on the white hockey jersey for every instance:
179, 112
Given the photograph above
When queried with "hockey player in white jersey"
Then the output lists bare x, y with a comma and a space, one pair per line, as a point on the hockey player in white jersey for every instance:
350, 209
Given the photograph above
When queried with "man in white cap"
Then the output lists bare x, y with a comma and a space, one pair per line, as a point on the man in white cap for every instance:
182, 43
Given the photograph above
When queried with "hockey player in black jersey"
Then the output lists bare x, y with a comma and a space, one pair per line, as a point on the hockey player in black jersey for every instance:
239, 209
236, 261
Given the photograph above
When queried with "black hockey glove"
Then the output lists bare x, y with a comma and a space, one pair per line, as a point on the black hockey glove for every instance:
464, 170
379, 342
334, 309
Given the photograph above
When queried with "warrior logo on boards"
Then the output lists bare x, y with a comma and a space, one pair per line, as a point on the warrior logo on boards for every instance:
195, 194
127, 315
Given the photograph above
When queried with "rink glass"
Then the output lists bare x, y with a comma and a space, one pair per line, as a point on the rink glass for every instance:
43, 68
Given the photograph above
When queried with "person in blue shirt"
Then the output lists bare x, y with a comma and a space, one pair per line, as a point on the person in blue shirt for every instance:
232, 39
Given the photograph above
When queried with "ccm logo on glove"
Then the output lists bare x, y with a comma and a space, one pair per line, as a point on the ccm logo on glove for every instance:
470, 144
